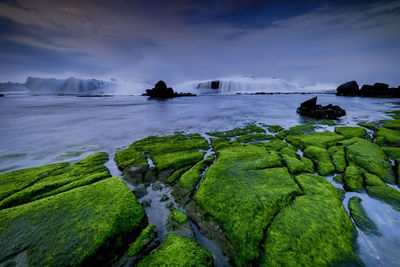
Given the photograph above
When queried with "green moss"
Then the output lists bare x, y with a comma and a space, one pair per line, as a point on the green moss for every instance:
52, 179
385, 193
178, 251
275, 144
289, 150
338, 178
295, 165
254, 137
370, 157
319, 139
367, 125
275, 128
296, 130
250, 128
393, 152
338, 157
349, 132
83, 226
353, 178
326, 122
308, 164
191, 178
145, 237
167, 152
321, 157
387, 137
372, 180
176, 175
363, 222
392, 124
314, 230
240, 187
179, 216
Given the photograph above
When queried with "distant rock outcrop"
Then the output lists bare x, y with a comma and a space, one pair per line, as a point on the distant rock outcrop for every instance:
311, 109
376, 90
161, 90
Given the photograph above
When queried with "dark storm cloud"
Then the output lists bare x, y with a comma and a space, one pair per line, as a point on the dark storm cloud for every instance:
187, 39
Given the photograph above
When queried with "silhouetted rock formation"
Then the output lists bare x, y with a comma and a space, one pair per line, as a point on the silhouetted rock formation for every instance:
376, 90
161, 90
214, 84
1, 95
311, 109
349, 88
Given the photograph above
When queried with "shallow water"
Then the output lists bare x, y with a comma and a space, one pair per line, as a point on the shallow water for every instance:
37, 130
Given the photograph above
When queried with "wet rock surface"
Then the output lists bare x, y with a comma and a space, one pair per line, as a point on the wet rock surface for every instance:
161, 90
311, 109
375, 90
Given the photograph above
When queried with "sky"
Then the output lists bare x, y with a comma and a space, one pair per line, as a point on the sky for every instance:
183, 40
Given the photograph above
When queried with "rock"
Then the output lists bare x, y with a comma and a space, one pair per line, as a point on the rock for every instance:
161, 90
140, 191
146, 202
214, 84
311, 109
349, 88
169, 205
156, 186
1, 95
164, 198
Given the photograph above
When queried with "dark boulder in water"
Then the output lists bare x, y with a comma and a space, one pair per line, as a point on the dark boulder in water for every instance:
349, 88
161, 90
376, 90
214, 84
311, 109
1, 95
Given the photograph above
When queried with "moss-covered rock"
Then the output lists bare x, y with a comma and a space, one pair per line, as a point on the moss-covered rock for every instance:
275, 144
387, 137
295, 165
322, 159
367, 125
23, 186
83, 226
318, 139
143, 240
386, 194
314, 230
167, 152
254, 138
275, 128
393, 152
178, 216
372, 180
296, 130
289, 150
338, 157
178, 251
363, 222
176, 175
370, 157
191, 178
353, 178
349, 132
248, 129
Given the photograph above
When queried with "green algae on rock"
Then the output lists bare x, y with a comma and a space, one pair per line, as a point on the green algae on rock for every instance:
315, 230
275, 128
363, 222
248, 129
295, 165
143, 240
370, 157
353, 178
367, 125
83, 226
322, 159
338, 157
318, 139
254, 137
386, 194
23, 186
296, 130
387, 137
244, 186
178, 251
349, 132
179, 216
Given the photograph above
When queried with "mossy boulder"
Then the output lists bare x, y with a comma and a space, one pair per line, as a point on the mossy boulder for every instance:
315, 230
22, 186
349, 132
244, 186
178, 251
367, 125
296, 130
254, 138
248, 129
370, 157
353, 178
88, 225
386, 194
275, 128
393, 152
146, 237
387, 137
275, 144
338, 157
363, 222
191, 178
178, 216
322, 159
318, 139
296, 165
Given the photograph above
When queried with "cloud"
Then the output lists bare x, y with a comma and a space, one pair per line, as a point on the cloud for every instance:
324, 41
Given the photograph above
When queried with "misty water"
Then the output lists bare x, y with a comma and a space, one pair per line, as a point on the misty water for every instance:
37, 130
